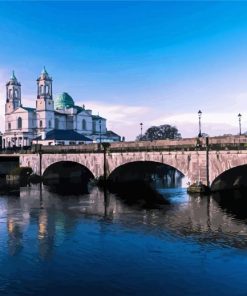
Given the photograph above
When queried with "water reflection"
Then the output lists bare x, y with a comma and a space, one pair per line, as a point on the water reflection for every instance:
233, 202
99, 244
51, 216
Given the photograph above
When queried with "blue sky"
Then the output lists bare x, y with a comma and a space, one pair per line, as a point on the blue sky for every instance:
150, 62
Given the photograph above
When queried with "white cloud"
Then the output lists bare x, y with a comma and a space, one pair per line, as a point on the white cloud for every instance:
214, 123
123, 119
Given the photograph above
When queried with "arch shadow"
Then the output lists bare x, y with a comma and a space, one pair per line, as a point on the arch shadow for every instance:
233, 178
65, 177
232, 202
137, 182
143, 170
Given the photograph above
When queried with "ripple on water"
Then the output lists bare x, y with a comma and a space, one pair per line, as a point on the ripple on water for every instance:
98, 244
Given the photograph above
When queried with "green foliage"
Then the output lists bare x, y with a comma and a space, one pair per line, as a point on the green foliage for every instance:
21, 171
161, 132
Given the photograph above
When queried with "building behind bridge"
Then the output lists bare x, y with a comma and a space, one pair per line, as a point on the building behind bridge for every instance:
52, 122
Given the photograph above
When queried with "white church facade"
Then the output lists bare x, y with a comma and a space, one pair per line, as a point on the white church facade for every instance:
52, 122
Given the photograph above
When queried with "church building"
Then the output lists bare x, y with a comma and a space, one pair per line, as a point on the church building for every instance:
52, 122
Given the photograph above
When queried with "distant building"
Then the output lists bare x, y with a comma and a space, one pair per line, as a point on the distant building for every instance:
51, 122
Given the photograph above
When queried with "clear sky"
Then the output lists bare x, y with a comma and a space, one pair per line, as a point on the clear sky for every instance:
150, 62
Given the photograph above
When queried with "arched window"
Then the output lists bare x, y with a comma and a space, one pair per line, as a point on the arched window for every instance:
40, 123
9, 126
16, 93
19, 122
10, 93
49, 123
41, 89
56, 123
84, 124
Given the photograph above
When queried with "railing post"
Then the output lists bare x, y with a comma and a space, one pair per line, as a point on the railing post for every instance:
207, 161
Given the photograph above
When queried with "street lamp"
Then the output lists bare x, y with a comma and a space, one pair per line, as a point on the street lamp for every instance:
200, 128
141, 125
100, 131
239, 121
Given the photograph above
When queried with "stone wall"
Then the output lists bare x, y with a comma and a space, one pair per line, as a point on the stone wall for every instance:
191, 164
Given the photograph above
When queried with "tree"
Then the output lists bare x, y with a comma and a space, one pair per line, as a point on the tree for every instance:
161, 132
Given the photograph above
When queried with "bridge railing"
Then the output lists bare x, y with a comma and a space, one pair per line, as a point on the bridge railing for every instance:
190, 144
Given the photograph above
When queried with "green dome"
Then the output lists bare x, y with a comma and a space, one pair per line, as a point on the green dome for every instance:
64, 101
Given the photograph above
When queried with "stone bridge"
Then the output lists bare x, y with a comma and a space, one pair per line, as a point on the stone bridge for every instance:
203, 161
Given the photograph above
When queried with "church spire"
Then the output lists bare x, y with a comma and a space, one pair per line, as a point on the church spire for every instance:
44, 85
13, 76
44, 72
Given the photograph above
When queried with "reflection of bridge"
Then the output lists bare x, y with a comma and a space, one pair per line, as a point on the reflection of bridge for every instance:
195, 159
196, 217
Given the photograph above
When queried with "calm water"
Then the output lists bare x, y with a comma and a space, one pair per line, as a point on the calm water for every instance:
96, 245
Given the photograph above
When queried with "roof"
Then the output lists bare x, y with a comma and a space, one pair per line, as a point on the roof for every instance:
13, 76
79, 109
65, 135
44, 72
112, 134
29, 109
63, 101
95, 117
44, 75
13, 80
60, 112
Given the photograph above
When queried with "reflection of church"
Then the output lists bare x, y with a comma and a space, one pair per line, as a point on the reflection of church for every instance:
51, 122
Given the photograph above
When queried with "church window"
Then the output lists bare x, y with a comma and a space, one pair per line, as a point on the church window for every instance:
41, 89
19, 122
9, 126
10, 93
40, 123
16, 93
84, 124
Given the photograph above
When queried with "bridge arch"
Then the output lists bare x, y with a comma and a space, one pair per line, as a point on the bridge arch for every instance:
232, 178
142, 169
93, 162
67, 171
177, 160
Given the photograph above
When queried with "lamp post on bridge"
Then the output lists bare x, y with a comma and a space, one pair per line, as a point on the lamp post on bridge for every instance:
141, 125
239, 122
200, 128
100, 131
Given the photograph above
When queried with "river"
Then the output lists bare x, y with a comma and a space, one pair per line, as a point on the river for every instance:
97, 244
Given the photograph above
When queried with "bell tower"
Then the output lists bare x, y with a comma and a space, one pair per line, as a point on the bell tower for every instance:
44, 103
13, 94
44, 84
